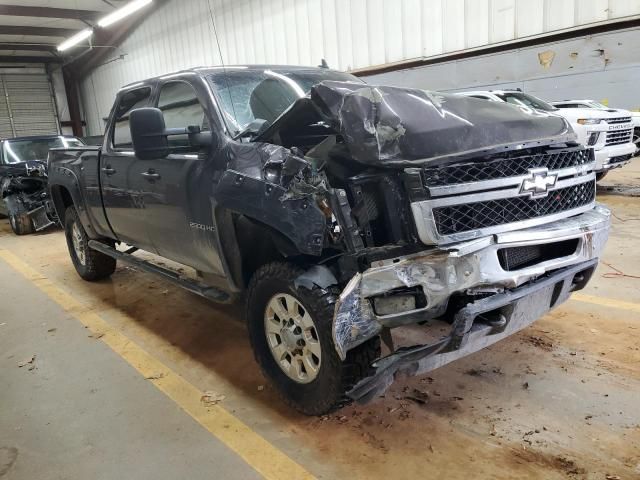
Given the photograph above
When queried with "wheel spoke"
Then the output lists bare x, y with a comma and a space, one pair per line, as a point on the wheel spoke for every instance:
306, 321
278, 309
313, 346
310, 365
272, 325
279, 351
297, 364
292, 307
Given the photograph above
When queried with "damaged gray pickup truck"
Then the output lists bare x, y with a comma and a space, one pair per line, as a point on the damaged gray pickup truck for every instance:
355, 220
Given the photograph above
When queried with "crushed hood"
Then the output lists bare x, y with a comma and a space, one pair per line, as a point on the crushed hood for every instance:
392, 125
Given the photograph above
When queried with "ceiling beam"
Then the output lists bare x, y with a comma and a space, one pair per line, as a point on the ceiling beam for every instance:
48, 12
111, 37
36, 31
33, 47
26, 59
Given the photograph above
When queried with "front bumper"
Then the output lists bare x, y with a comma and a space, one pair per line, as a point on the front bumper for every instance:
614, 156
472, 266
476, 326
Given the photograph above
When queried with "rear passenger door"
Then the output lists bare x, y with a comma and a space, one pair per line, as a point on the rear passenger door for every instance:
126, 193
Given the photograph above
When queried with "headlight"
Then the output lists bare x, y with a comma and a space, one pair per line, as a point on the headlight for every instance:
589, 121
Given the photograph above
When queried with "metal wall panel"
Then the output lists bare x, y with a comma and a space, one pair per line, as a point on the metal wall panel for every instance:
605, 67
349, 34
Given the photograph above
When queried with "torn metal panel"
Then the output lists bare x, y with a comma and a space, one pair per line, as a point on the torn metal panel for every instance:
472, 268
474, 329
23, 188
392, 125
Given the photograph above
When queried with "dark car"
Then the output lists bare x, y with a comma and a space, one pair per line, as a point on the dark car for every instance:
338, 211
23, 181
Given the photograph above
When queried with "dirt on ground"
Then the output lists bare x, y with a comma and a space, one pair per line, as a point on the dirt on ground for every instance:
559, 400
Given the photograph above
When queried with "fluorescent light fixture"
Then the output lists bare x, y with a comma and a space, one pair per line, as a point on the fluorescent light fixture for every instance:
125, 11
77, 38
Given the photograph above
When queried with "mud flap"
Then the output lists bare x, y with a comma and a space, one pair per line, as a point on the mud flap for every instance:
476, 326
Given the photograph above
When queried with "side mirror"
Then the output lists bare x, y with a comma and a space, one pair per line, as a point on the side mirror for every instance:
148, 133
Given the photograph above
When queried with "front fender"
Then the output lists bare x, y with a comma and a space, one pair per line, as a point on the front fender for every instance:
298, 219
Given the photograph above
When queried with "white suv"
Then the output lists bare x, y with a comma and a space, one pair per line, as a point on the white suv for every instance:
609, 133
635, 116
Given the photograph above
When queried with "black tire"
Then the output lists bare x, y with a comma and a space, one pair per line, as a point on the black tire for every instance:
636, 140
326, 392
21, 224
96, 265
601, 175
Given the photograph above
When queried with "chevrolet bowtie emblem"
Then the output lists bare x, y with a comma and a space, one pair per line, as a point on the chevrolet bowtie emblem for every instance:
538, 183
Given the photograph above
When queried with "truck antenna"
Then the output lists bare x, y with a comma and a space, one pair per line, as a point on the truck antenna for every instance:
224, 68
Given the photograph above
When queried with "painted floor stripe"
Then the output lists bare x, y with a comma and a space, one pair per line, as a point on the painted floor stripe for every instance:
265, 458
606, 302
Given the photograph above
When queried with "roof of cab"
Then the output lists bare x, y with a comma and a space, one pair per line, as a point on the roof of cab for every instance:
204, 70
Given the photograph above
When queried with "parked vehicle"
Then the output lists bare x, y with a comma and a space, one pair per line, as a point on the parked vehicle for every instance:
23, 181
609, 133
635, 116
339, 211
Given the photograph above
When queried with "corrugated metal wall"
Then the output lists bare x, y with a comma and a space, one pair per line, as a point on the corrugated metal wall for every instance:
349, 34
604, 67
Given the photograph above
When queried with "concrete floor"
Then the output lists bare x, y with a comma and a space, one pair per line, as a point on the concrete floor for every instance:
558, 400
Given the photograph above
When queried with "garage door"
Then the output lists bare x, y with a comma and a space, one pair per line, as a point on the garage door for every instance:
26, 106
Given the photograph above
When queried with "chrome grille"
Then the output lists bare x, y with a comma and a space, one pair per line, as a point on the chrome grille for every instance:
619, 137
473, 216
478, 170
618, 120
504, 192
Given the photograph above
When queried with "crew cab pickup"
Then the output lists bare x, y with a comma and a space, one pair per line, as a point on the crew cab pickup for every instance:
609, 133
341, 213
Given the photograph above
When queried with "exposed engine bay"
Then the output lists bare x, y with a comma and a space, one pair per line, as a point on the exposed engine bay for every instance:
23, 189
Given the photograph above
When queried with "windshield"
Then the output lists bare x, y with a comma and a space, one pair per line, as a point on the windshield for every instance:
245, 95
16, 151
593, 104
523, 99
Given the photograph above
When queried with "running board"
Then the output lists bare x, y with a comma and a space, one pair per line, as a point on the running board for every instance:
194, 286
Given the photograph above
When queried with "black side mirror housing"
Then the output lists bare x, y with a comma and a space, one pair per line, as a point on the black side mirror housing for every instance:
148, 133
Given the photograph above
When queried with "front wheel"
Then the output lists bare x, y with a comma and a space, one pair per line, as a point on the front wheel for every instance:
20, 223
601, 175
291, 334
90, 264
636, 141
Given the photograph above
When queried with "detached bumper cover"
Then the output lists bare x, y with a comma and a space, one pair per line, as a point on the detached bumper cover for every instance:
471, 332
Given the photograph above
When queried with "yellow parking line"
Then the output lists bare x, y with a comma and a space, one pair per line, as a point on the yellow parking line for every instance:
255, 450
606, 302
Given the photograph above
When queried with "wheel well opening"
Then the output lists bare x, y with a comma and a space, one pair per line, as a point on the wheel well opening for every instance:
62, 200
258, 245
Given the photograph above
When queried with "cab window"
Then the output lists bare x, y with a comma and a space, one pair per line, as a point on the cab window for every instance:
129, 101
181, 108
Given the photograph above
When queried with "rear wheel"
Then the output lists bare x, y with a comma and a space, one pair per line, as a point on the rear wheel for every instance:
20, 224
90, 264
291, 335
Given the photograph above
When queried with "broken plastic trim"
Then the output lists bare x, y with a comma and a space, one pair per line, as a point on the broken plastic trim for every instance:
518, 309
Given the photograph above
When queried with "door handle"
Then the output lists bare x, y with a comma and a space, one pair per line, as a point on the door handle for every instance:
150, 175
108, 170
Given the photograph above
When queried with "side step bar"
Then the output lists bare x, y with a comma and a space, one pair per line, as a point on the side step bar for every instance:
194, 286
